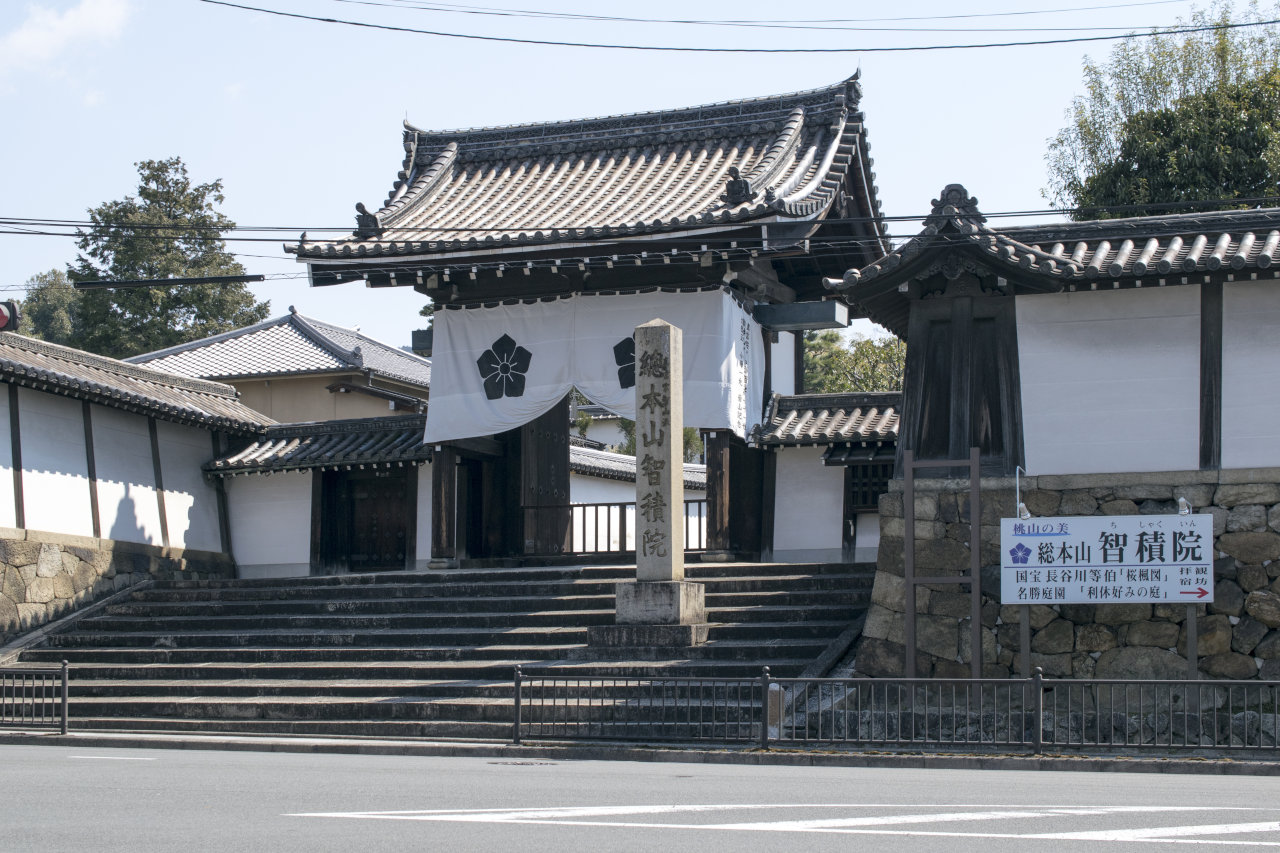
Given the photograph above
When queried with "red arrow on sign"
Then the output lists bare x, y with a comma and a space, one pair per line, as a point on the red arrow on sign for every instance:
1198, 593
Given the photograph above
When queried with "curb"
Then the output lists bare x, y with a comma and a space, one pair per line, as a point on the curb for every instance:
1215, 766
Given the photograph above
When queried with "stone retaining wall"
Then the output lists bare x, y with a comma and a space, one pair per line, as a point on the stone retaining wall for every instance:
1238, 634
46, 575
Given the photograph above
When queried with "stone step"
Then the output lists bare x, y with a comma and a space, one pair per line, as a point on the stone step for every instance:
164, 625
693, 571
466, 636
358, 728
451, 672
464, 604
454, 656
374, 707
746, 583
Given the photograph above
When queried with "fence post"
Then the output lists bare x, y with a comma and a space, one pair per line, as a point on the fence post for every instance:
764, 707
64, 697
515, 731
1037, 728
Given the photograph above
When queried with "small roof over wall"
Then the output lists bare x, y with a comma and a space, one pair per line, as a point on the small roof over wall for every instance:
390, 442
289, 345
143, 390
802, 420
617, 466
1149, 251
330, 445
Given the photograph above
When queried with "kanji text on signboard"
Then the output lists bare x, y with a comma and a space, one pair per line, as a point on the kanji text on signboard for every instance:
1107, 559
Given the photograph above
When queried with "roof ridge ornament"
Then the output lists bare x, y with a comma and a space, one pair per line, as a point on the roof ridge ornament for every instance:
737, 189
367, 224
954, 202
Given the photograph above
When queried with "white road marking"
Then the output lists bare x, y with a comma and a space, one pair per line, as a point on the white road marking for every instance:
110, 758
598, 816
1164, 832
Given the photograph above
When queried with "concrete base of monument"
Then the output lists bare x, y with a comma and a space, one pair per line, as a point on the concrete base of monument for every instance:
719, 556
443, 563
655, 614
661, 603
646, 641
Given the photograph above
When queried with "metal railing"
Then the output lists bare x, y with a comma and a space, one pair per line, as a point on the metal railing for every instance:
1021, 714
570, 707
610, 528
34, 698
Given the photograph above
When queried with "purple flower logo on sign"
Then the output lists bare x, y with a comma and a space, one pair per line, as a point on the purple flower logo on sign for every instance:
624, 355
1020, 553
503, 368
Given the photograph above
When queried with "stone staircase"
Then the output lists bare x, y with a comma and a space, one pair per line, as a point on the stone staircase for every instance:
413, 654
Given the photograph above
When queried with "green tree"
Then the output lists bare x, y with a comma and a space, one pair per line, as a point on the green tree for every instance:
47, 311
1219, 144
170, 229
1114, 149
865, 364
693, 446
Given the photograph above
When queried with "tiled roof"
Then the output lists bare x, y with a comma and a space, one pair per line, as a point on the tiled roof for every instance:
807, 419
617, 466
289, 345
373, 442
607, 178
1155, 250
108, 382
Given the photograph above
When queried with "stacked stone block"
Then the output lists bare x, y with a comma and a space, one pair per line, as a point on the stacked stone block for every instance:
1238, 635
44, 576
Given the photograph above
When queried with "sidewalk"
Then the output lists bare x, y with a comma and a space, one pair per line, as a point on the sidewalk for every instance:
1219, 766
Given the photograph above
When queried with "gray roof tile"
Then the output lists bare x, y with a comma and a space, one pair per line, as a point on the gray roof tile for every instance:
289, 345
809, 419
601, 179
385, 441
1071, 255
618, 466
108, 382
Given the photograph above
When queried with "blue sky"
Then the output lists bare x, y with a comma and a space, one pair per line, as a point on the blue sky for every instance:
301, 119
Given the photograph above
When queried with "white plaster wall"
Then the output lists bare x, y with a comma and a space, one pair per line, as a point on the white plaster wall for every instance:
127, 505
1250, 375
808, 508
1110, 380
271, 524
190, 502
607, 431
867, 537
782, 364
8, 512
55, 476
423, 554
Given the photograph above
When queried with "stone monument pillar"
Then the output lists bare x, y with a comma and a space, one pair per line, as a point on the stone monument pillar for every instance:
661, 608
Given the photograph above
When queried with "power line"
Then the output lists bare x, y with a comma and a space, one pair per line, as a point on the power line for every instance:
464, 9
25, 225
831, 26
751, 50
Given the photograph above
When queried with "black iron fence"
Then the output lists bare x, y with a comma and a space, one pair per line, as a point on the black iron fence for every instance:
34, 698
1032, 714
610, 528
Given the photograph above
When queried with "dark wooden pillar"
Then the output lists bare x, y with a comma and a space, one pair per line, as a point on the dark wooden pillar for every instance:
768, 502
444, 507
544, 482
719, 546
1211, 376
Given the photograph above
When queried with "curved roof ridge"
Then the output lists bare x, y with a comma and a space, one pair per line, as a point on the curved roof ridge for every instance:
779, 100
142, 358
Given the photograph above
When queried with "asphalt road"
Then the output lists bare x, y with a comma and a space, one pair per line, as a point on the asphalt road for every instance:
62, 799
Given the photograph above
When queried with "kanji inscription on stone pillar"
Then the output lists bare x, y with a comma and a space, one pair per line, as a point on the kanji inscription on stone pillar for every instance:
659, 452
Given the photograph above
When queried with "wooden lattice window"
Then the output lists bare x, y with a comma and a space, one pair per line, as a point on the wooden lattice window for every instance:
867, 482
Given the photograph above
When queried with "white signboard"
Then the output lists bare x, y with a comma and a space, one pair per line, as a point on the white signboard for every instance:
1118, 559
